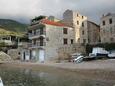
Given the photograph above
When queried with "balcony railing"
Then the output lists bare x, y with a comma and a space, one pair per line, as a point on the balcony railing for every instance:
8, 42
37, 45
36, 34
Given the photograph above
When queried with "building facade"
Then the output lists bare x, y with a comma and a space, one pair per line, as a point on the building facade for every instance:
47, 38
91, 34
107, 31
86, 32
77, 21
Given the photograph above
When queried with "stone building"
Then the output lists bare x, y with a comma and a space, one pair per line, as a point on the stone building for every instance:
91, 34
86, 32
107, 31
77, 21
49, 39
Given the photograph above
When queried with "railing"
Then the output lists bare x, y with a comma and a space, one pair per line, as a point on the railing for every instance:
9, 42
34, 23
37, 34
37, 45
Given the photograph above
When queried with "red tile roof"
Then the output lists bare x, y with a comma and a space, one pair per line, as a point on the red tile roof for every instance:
46, 21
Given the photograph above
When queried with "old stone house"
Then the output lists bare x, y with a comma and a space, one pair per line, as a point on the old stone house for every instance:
91, 34
107, 28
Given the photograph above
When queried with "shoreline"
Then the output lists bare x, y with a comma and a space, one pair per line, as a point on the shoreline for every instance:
104, 74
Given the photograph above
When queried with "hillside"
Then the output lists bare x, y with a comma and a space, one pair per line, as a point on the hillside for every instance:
4, 32
12, 25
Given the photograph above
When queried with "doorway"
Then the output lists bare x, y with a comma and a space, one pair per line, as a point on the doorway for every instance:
41, 55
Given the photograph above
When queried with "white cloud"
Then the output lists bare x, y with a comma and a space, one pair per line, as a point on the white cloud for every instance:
26, 9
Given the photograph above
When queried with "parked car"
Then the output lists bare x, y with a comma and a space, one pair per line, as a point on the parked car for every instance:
79, 59
92, 55
111, 54
89, 58
75, 55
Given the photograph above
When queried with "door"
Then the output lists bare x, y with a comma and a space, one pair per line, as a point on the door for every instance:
33, 55
41, 55
24, 55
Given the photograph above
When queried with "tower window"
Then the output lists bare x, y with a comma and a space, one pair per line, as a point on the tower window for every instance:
110, 21
84, 40
82, 24
77, 22
111, 39
71, 41
83, 32
103, 22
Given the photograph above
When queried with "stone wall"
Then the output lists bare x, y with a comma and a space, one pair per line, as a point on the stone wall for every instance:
15, 54
66, 51
4, 57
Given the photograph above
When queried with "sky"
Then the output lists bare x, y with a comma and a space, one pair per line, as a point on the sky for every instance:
24, 10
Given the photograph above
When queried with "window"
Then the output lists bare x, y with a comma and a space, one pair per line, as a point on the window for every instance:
103, 22
34, 42
41, 42
84, 40
19, 53
83, 32
71, 41
82, 17
82, 24
34, 32
77, 22
65, 41
41, 31
111, 30
77, 15
111, 39
110, 21
65, 30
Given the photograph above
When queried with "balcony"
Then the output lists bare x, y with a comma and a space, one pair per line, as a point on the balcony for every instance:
37, 45
36, 35
8, 42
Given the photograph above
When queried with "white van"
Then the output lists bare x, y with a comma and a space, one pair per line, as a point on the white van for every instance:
98, 51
